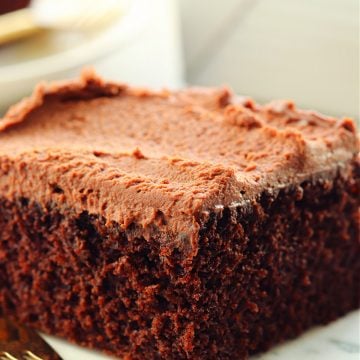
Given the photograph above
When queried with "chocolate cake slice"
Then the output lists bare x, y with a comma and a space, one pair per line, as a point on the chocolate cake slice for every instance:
190, 224
12, 5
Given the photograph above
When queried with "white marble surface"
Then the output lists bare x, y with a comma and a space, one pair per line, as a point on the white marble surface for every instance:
339, 340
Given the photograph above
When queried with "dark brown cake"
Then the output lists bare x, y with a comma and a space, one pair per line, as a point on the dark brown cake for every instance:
175, 225
12, 5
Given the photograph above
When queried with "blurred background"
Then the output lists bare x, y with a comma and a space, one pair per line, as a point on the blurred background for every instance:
305, 50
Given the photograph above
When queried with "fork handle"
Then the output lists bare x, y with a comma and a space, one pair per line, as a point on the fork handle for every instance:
16, 25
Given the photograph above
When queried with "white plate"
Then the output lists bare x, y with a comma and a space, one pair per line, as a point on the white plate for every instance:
336, 341
57, 55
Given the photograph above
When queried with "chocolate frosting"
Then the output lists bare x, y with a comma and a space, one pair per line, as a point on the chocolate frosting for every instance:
160, 158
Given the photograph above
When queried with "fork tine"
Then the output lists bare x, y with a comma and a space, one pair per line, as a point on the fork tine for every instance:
6, 356
18, 342
94, 21
29, 355
95, 17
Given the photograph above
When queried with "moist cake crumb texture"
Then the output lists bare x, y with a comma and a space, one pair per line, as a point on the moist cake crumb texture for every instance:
192, 224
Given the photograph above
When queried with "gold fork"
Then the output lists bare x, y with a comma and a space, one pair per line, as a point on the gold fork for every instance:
18, 342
